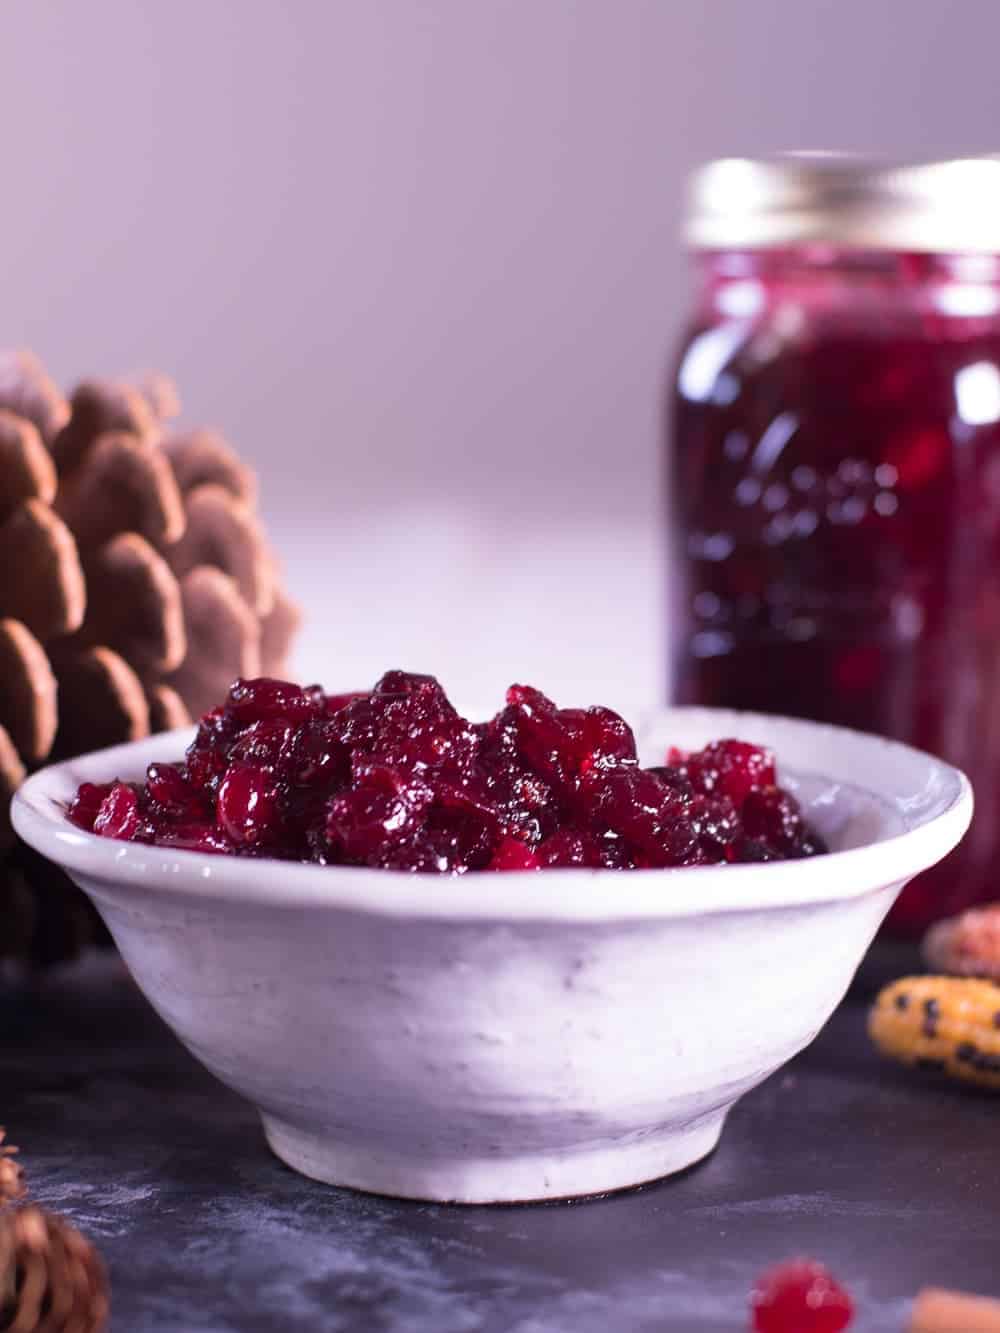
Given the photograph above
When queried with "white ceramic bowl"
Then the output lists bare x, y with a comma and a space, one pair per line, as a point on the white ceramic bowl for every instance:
513, 1036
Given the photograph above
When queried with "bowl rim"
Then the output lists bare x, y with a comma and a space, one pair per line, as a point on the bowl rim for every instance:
570, 894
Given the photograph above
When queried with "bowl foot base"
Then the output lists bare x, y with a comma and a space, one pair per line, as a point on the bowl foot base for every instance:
507, 1178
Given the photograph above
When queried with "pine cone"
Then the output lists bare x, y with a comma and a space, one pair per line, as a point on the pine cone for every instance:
11, 1175
135, 584
51, 1278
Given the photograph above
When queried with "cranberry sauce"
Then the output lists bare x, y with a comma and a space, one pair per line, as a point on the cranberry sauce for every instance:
396, 779
836, 495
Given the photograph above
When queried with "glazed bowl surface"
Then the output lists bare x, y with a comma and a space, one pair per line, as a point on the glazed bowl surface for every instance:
516, 1036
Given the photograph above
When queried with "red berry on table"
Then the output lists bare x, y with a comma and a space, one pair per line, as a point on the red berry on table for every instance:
800, 1296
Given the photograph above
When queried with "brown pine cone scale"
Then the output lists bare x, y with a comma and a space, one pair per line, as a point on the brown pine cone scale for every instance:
51, 1277
25, 465
11, 1175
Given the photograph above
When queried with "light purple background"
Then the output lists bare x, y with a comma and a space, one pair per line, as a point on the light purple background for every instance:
420, 261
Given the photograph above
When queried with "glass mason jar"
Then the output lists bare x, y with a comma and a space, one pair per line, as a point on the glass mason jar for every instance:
835, 461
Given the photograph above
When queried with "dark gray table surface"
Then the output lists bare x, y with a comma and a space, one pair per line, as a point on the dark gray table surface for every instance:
890, 1179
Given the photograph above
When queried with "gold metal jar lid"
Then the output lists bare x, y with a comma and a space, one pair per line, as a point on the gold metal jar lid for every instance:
950, 206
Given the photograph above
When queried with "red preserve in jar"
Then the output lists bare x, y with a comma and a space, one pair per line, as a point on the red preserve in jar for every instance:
835, 461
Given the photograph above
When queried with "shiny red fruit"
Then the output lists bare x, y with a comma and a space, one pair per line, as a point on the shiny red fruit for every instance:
86, 805
118, 816
248, 805
731, 768
512, 854
800, 1296
174, 794
255, 700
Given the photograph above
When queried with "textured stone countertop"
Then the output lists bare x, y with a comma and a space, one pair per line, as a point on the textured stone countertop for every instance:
893, 1181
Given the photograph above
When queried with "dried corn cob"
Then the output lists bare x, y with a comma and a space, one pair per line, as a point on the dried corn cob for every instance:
938, 1311
951, 1024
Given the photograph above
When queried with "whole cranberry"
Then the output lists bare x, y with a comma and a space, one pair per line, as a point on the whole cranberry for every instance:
773, 816
354, 726
271, 742
563, 745
444, 845
512, 854
216, 730
255, 700
118, 816
208, 754
412, 683
548, 744
413, 738
717, 822
319, 756
172, 794
248, 808
731, 768
608, 740
383, 809
637, 806
800, 1296
206, 768
86, 804
524, 803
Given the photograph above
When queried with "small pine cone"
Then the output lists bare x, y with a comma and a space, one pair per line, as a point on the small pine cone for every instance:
11, 1175
136, 583
51, 1278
